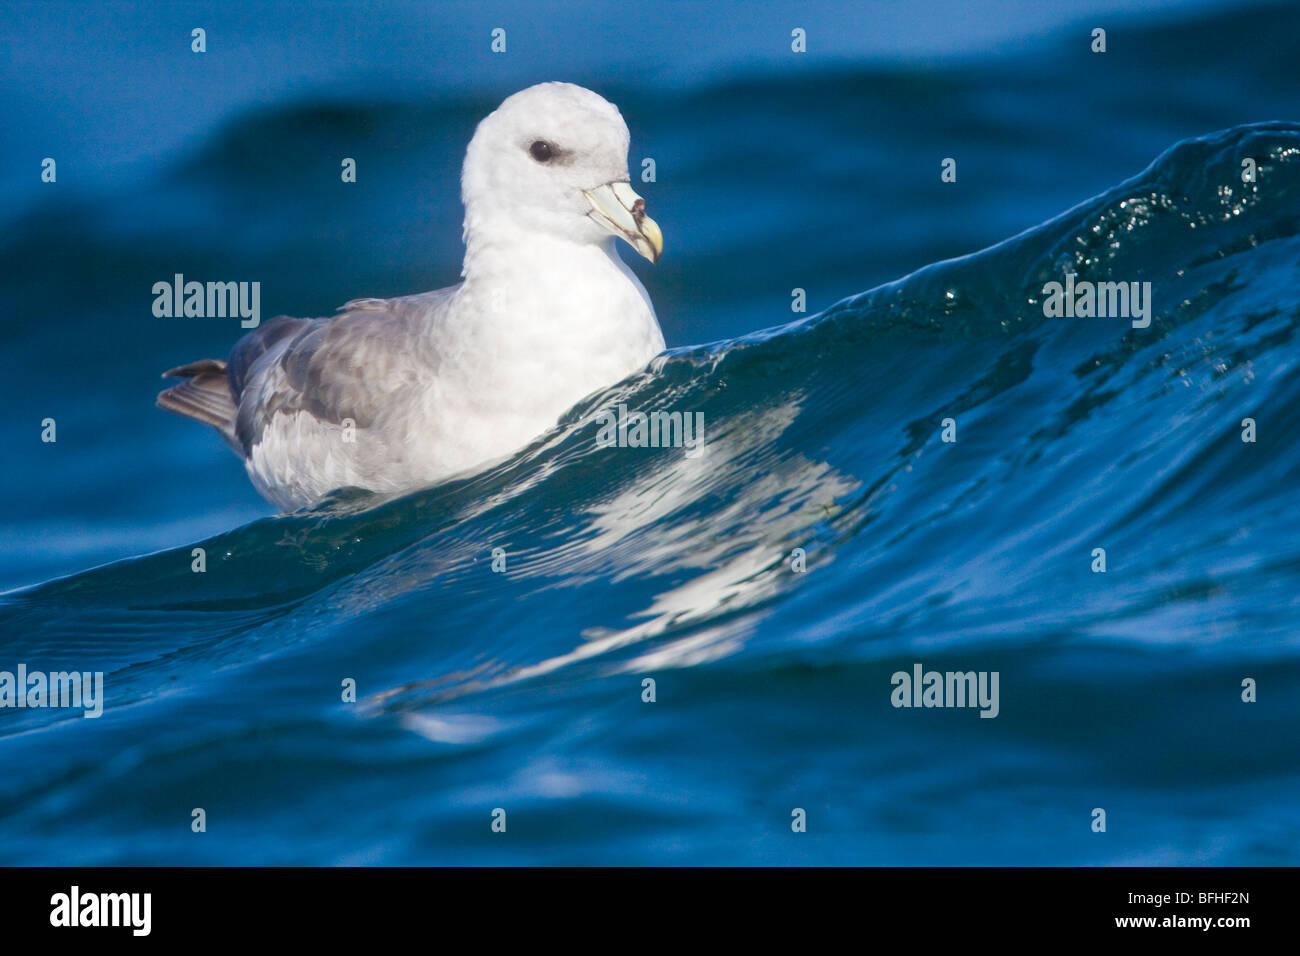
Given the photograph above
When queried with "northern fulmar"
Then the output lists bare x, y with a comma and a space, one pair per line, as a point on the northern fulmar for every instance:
395, 394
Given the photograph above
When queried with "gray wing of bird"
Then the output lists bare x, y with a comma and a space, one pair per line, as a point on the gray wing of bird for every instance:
350, 366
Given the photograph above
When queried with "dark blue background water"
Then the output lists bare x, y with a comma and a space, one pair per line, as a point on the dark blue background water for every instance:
522, 690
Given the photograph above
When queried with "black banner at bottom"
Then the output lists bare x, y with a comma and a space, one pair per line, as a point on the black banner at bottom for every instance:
337, 905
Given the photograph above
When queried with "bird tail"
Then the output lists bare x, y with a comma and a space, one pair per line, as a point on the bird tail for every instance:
204, 395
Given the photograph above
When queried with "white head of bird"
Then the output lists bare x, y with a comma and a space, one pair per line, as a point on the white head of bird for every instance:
551, 161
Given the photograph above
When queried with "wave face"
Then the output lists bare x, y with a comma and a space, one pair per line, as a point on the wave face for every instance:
522, 688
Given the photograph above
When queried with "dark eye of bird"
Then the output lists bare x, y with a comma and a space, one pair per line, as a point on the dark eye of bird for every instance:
541, 150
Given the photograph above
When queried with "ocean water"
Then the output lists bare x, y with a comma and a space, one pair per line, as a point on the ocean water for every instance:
521, 689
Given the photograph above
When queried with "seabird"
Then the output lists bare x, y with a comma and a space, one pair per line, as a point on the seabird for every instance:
395, 394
